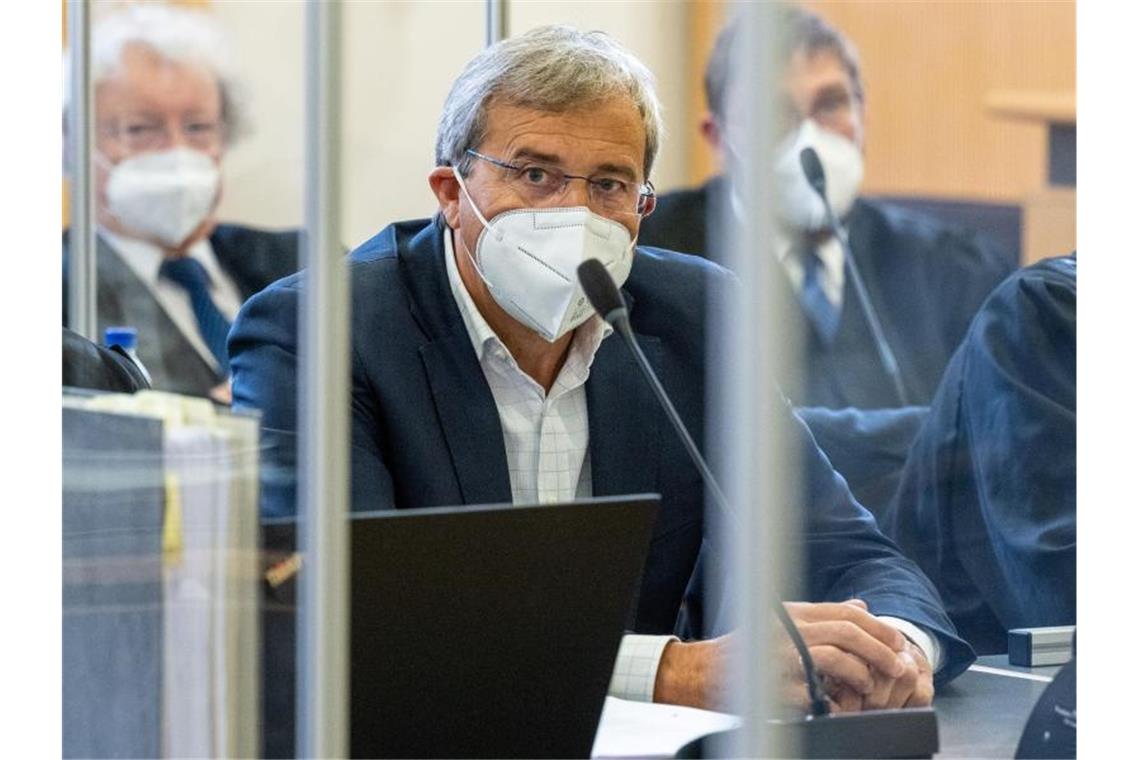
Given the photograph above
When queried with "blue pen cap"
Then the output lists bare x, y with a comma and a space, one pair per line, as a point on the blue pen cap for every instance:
127, 337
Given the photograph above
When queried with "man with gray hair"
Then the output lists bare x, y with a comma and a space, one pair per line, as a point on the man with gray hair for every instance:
165, 111
924, 279
481, 375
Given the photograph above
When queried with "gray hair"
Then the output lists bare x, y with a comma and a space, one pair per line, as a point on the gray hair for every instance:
175, 34
799, 31
550, 68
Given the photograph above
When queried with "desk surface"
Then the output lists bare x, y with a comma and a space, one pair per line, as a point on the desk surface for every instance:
982, 713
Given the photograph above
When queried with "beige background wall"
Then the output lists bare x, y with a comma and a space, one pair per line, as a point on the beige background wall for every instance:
929, 68
400, 59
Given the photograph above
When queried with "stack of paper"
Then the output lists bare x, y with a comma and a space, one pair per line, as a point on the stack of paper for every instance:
199, 668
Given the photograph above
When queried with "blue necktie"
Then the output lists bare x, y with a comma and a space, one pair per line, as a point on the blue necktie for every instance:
819, 309
212, 324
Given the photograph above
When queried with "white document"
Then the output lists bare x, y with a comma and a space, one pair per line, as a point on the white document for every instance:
645, 729
192, 596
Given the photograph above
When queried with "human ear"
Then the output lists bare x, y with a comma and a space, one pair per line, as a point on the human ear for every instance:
446, 189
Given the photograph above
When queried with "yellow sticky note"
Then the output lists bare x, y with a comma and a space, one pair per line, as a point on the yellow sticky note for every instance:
172, 522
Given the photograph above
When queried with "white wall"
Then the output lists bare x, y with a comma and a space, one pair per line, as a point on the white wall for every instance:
400, 60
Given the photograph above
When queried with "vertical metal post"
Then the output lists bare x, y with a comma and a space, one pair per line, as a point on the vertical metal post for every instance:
496, 14
322, 642
81, 252
763, 472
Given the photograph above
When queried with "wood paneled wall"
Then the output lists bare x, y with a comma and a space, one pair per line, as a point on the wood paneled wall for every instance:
705, 19
929, 68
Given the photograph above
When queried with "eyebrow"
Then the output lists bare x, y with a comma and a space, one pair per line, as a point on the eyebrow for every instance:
551, 158
834, 90
546, 158
137, 114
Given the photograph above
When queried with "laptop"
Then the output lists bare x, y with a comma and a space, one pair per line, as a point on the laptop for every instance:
482, 631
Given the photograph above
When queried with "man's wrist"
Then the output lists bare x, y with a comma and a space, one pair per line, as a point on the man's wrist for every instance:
665, 689
925, 641
681, 677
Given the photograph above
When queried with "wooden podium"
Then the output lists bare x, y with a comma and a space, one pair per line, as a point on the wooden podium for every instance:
1049, 218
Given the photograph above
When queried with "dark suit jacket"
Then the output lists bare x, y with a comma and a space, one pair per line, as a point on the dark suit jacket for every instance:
252, 258
925, 280
868, 447
426, 432
987, 503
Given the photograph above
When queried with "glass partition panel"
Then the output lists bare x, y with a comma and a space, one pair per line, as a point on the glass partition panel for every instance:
822, 302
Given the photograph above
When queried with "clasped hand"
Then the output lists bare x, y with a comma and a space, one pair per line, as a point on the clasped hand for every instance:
864, 663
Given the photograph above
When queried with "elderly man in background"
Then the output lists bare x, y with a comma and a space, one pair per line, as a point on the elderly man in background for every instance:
481, 375
925, 280
165, 112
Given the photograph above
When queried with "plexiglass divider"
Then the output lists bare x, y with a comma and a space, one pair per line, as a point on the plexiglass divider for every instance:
322, 641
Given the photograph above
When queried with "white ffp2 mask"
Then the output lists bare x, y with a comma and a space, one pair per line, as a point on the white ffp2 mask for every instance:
797, 204
163, 195
529, 259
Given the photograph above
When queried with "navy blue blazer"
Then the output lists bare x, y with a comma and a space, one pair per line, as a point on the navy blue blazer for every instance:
925, 279
987, 502
426, 431
868, 447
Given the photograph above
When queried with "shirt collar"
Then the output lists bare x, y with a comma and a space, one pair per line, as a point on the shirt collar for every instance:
785, 245
145, 258
478, 330
587, 337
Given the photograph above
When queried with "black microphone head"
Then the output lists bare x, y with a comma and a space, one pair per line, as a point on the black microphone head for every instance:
600, 288
813, 170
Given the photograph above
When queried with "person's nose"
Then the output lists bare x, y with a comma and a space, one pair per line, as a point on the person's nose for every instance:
175, 136
577, 193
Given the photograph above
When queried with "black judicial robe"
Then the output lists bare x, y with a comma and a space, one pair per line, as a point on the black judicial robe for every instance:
926, 281
987, 501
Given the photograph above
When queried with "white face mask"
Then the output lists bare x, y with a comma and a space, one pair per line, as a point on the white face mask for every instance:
163, 195
529, 260
798, 205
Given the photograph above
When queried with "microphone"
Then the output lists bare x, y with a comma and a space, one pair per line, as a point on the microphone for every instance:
599, 287
813, 171
904, 732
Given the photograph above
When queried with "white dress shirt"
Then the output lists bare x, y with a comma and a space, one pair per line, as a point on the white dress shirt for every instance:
547, 436
547, 443
830, 253
145, 258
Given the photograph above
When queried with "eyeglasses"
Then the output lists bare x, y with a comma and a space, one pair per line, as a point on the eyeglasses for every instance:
141, 134
540, 183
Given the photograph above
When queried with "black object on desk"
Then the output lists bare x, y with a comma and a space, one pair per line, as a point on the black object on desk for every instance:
911, 733
1052, 727
486, 631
